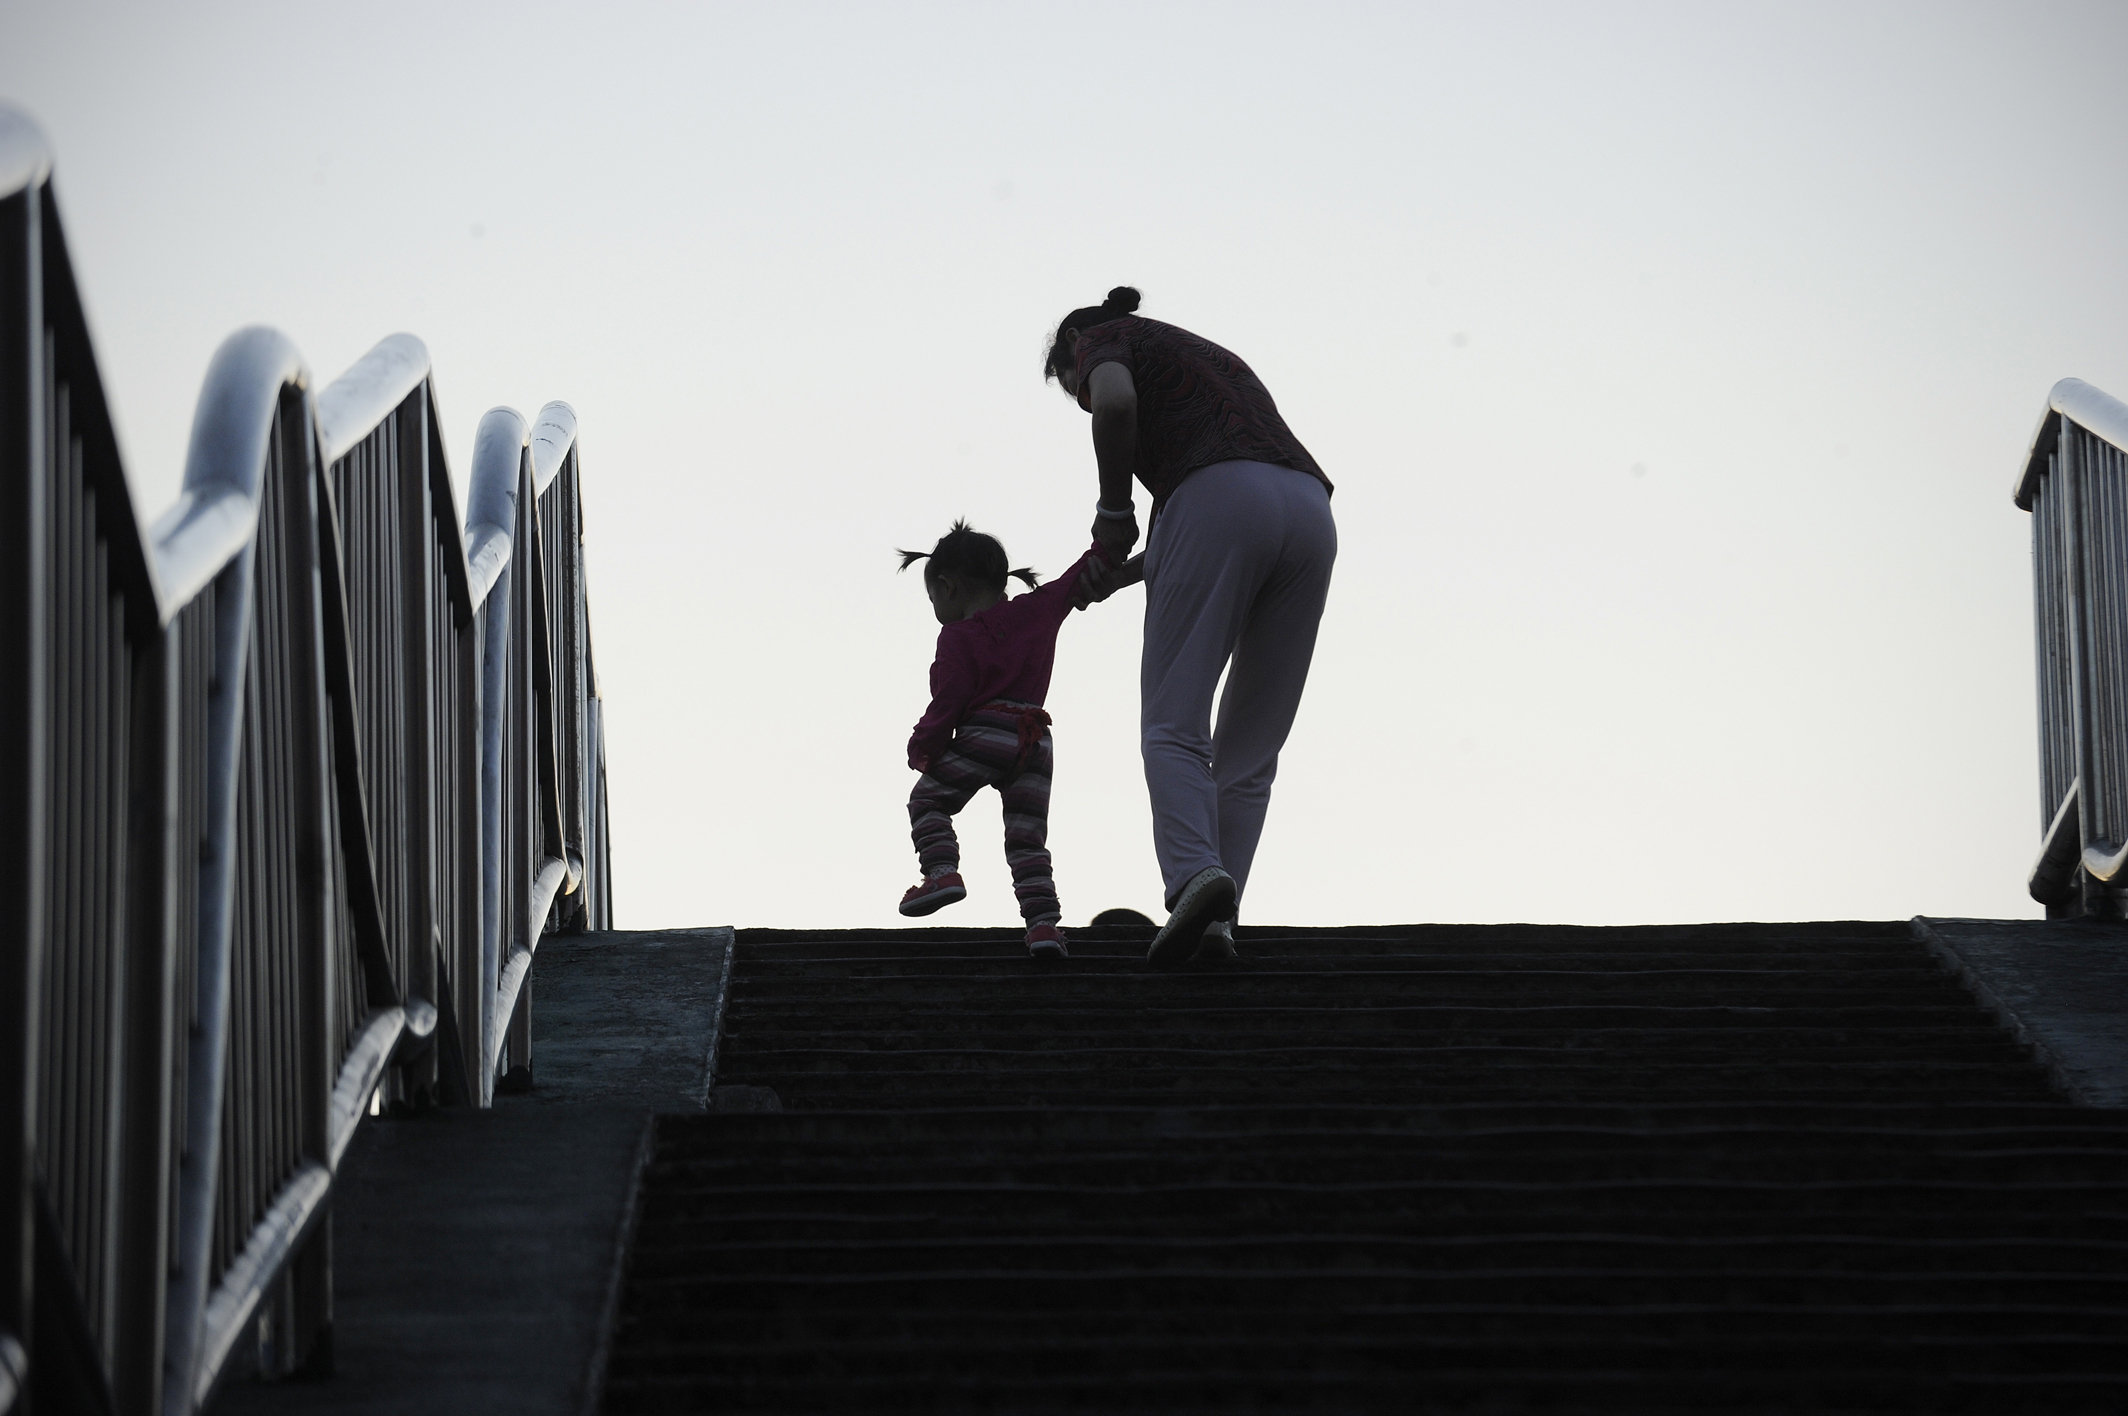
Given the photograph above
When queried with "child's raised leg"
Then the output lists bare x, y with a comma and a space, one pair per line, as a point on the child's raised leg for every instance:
939, 795
937, 799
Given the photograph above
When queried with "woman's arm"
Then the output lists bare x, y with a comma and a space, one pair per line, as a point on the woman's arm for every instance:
1112, 397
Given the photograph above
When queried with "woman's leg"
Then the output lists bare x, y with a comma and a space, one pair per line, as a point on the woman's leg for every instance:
1269, 670
1212, 550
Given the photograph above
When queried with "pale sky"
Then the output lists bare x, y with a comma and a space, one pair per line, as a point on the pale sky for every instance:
1673, 362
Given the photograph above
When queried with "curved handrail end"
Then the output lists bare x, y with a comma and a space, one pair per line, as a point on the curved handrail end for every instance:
225, 465
420, 1018
491, 493
2090, 408
2037, 452
552, 437
351, 407
14, 1371
25, 156
491, 496
2053, 877
2105, 861
236, 407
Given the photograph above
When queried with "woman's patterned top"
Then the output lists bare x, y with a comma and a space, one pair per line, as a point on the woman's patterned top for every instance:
1197, 404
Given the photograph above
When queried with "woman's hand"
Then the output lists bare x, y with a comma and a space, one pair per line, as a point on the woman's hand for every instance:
1116, 535
1098, 582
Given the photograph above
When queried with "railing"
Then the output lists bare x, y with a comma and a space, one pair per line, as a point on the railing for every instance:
2075, 484
290, 788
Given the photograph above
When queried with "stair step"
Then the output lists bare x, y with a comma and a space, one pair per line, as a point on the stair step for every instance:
1685, 1168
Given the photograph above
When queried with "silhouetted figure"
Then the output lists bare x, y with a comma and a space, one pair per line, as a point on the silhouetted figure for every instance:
1236, 568
986, 726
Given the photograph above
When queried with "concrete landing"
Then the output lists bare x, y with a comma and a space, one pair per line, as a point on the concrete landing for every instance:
2060, 985
475, 1251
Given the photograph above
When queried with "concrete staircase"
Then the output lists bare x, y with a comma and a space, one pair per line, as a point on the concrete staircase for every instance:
1737, 1167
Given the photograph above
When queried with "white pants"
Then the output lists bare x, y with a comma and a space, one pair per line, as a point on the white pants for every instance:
1238, 568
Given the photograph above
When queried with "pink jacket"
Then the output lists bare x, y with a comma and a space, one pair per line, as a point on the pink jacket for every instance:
1007, 651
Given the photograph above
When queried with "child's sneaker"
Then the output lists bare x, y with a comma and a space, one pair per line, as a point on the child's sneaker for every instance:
935, 893
1046, 941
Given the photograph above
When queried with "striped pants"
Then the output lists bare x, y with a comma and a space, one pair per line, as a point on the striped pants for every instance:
991, 749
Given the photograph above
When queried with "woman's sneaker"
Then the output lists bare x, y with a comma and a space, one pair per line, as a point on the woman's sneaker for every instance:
1046, 941
934, 894
1207, 899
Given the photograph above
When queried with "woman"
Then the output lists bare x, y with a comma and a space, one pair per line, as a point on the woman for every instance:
1237, 567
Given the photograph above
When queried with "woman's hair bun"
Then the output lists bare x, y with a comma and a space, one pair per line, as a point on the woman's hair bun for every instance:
1123, 300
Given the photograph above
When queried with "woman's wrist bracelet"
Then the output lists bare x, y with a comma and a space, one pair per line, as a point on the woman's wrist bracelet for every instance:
1108, 513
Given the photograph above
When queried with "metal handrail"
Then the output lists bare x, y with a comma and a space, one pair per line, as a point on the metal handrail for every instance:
225, 470
277, 867
522, 477
369, 392
2092, 409
2074, 482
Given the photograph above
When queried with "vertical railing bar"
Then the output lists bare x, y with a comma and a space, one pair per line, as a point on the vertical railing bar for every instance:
2077, 553
468, 789
57, 1107
107, 867
24, 378
417, 750
71, 1099
2096, 605
153, 819
2091, 536
156, 689
494, 716
2093, 533
314, 975
2099, 538
204, 1066
2043, 638
2057, 721
2112, 654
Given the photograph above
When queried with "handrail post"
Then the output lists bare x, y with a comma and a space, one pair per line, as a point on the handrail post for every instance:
151, 1037
198, 1172
306, 1334
230, 447
22, 770
494, 831
2075, 548
417, 667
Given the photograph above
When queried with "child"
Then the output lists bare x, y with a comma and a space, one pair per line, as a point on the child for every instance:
985, 726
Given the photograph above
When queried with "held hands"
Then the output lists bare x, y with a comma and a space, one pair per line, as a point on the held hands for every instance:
1115, 532
1097, 582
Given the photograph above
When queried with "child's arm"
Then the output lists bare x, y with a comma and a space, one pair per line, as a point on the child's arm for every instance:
1061, 595
1101, 581
952, 686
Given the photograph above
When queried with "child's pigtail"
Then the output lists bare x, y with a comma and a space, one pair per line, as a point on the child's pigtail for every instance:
1023, 573
909, 558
